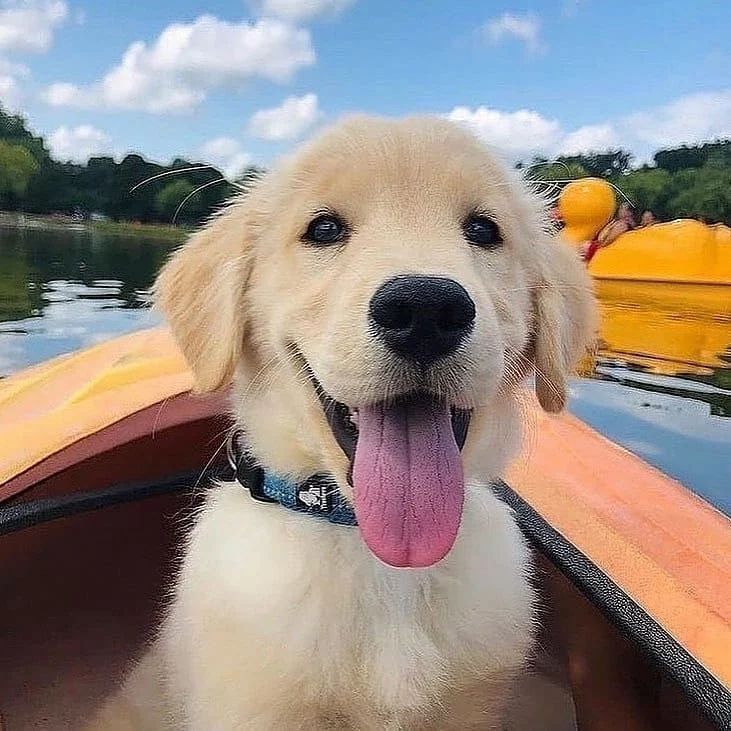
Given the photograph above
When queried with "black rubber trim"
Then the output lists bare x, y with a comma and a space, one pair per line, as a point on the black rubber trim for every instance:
21, 515
704, 690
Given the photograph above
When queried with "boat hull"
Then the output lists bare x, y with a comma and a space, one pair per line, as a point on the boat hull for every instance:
633, 568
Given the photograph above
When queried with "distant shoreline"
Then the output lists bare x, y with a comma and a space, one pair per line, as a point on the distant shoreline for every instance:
41, 222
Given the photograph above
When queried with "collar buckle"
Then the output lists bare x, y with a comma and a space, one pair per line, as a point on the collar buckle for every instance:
245, 470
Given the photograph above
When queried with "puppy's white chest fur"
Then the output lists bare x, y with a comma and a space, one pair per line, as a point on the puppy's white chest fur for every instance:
283, 621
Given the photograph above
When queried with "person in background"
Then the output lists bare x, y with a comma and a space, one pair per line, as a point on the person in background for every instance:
624, 221
647, 219
556, 218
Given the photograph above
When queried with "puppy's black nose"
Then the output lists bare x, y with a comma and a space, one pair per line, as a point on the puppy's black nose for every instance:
422, 318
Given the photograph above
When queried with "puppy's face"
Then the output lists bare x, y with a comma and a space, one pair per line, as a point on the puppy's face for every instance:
389, 286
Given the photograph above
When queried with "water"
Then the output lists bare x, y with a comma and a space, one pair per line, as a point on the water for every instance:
63, 291
661, 385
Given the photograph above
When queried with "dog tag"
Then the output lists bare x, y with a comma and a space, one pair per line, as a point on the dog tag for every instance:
315, 495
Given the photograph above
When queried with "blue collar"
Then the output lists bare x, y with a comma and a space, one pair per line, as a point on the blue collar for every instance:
318, 495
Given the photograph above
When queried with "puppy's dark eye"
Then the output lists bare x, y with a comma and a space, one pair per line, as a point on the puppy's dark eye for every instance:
482, 231
326, 229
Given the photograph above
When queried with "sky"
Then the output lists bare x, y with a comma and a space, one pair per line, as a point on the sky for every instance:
238, 82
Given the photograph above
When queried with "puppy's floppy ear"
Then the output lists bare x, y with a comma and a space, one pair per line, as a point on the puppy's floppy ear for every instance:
565, 322
200, 292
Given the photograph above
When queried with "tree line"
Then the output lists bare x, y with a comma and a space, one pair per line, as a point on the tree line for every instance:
683, 182
33, 182
689, 181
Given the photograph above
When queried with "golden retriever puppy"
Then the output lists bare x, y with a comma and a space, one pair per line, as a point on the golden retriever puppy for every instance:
376, 301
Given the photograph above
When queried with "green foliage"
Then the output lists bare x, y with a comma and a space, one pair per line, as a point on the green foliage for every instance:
648, 189
705, 193
17, 167
13, 129
694, 192
601, 164
171, 197
686, 181
105, 186
693, 182
542, 169
682, 158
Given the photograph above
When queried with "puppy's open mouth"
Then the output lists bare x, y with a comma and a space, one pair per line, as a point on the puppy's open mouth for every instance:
406, 472
343, 420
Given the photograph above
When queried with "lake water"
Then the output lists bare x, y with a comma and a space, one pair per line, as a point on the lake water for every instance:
661, 385
63, 291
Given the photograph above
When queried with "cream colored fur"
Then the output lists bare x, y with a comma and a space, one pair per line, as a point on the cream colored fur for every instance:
280, 621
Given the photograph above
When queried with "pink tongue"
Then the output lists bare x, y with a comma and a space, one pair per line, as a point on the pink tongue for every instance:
408, 482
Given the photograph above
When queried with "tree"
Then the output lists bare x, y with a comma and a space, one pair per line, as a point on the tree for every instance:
170, 197
601, 164
104, 185
703, 193
648, 189
696, 156
98, 182
17, 167
13, 128
542, 169
130, 202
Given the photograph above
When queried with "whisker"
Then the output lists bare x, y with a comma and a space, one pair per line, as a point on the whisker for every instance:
554, 286
195, 490
227, 432
541, 373
547, 163
257, 375
618, 190
194, 192
176, 171
552, 185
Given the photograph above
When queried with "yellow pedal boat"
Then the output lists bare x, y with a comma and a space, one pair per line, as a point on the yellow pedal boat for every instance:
684, 251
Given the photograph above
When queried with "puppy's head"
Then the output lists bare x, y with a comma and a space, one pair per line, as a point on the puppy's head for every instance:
378, 297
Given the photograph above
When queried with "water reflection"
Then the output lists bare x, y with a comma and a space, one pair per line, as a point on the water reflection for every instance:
60, 291
661, 382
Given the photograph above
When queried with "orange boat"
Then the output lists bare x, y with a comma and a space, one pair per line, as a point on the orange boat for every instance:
100, 450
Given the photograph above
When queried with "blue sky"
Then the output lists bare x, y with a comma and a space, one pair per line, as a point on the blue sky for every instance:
239, 82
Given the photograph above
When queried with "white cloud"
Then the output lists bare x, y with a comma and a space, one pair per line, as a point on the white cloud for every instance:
78, 144
290, 120
702, 116
301, 10
13, 69
10, 94
226, 153
28, 25
517, 133
590, 138
176, 71
60, 95
522, 27
689, 119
